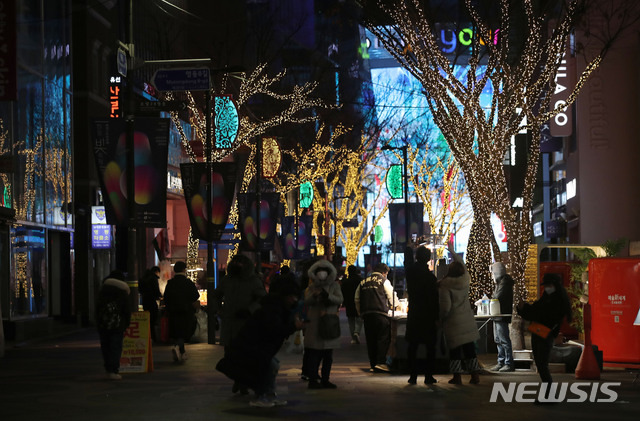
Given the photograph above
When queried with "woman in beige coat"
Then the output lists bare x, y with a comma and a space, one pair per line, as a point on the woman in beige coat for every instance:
459, 325
323, 296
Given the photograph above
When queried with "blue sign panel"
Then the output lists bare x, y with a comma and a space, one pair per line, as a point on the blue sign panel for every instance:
100, 236
181, 79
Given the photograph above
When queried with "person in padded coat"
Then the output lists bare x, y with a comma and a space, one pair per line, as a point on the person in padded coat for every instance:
237, 296
424, 309
459, 325
323, 296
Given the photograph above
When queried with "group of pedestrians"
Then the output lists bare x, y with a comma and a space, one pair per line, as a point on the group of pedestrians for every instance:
113, 312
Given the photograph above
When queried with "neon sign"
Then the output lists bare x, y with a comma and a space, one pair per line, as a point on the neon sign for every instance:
451, 39
114, 97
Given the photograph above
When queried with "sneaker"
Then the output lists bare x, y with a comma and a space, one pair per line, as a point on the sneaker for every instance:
276, 402
114, 376
175, 352
304, 377
383, 367
412, 380
356, 338
262, 402
496, 367
328, 385
507, 369
184, 356
353, 341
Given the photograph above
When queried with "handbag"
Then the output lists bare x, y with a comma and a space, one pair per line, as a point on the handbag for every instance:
539, 329
329, 326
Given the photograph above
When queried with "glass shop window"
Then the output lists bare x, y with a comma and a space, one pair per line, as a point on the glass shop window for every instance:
28, 281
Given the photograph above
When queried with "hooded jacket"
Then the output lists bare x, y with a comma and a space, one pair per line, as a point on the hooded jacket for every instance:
114, 293
503, 291
459, 325
322, 296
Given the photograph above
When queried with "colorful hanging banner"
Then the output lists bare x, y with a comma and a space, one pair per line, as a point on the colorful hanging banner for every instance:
136, 354
226, 122
268, 218
194, 185
288, 238
305, 225
394, 181
398, 222
151, 140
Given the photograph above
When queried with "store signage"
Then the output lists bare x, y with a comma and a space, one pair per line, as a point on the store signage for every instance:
136, 347
196, 79
577, 392
115, 99
561, 123
450, 39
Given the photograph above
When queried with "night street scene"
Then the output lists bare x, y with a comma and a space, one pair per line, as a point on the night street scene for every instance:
319, 209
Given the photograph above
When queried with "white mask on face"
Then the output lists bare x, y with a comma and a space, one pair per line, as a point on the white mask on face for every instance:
550, 289
322, 275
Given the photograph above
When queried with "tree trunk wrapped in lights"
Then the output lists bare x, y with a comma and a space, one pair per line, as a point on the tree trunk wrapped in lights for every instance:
511, 56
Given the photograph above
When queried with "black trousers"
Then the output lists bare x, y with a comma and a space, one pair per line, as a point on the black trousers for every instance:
412, 350
316, 356
541, 348
377, 329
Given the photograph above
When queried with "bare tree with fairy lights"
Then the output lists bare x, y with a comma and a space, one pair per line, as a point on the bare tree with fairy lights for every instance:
513, 51
294, 107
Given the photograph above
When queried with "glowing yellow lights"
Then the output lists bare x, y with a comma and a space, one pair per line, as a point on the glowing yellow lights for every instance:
479, 133
271, 157
296, 108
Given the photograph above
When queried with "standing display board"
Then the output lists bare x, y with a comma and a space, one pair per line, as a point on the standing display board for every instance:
136, 347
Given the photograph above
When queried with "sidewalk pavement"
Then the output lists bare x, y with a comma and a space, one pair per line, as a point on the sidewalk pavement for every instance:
62, 378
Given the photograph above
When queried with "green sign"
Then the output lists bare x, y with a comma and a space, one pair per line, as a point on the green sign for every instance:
306, 194
394, 181
377, 234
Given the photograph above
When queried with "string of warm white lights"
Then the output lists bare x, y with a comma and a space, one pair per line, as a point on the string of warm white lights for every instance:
519, 75
295, 108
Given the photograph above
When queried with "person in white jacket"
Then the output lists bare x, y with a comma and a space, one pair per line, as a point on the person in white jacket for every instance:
459, 325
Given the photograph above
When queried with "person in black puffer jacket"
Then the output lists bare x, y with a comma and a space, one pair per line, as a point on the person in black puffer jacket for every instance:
550, 310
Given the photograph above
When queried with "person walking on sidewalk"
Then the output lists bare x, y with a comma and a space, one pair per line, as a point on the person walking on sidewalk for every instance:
150, 291
323, 296
422, 318
237, 296
550, 310
182, 299
459, 325
374, 297
503, 292
349, 286
113, 317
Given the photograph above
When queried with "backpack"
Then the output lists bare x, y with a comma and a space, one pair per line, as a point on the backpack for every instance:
111, 317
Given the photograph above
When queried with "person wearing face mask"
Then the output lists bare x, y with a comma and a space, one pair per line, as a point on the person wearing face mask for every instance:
503, 292
322, 296
374, 298
550, 310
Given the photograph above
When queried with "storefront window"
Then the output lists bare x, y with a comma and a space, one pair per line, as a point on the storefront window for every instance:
28, 282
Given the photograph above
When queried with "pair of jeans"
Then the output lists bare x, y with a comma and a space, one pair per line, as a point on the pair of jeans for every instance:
355, 325
377, 328
111, 347
503, 342
267, 381
316, 356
